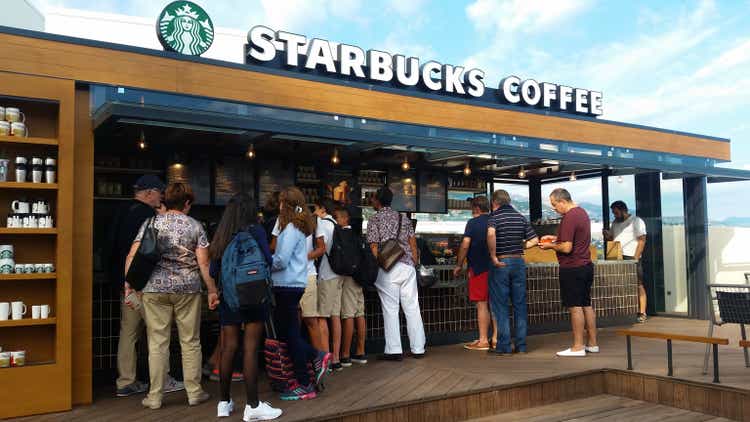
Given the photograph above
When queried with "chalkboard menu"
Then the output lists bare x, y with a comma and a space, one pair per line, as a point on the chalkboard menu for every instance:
403, 184
433, 190
273, 177
233, 175
197, 173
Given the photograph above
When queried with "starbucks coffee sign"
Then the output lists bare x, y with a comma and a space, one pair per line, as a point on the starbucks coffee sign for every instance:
185, 28
296, 52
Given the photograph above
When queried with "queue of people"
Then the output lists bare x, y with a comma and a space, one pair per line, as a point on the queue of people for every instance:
304, 290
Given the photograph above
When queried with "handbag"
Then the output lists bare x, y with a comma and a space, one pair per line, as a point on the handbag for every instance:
426, 276
390, 251
145, 259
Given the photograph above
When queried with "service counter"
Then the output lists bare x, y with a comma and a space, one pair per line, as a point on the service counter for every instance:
449, 316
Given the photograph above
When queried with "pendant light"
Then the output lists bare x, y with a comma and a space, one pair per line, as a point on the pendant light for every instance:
405, 166
251, 151
467, 169
142, 145
335, 160
521, 173
573, 177
620, 179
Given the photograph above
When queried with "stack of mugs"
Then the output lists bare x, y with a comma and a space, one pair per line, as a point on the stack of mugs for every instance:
16, 311
40, 169
30, 215
9, 266
12, 122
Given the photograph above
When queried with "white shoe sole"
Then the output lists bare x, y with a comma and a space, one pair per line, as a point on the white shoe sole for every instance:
569, 354
590, 350
260, 418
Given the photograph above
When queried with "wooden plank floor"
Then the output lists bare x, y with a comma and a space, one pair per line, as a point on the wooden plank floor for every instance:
446, 371
602, 407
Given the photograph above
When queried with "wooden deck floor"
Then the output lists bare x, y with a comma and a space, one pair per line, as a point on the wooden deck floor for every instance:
447, 370
602, 407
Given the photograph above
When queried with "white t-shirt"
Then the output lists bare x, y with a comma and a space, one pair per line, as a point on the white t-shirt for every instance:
325, 230
627, 233
311, 271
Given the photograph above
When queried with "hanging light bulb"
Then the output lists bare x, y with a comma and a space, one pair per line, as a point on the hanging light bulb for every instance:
335, 160
573, 177
405, 166
251, 151
142, 141
620, 179
467, 170
521, 173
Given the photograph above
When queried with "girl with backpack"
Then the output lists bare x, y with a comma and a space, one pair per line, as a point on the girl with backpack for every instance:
289, 274
240, 215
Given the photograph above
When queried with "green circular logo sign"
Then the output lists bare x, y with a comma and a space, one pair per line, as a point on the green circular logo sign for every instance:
185, 28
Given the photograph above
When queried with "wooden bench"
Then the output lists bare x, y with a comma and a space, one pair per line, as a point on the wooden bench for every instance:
669, 337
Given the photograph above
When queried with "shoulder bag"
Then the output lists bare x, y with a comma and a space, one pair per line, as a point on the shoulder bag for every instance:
145, 259
390, 251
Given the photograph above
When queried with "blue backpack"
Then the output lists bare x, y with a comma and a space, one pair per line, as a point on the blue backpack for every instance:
245, 275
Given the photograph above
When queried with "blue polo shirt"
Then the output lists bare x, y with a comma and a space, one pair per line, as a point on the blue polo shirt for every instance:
478, 255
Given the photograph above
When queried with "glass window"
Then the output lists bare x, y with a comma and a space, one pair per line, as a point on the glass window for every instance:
673, 238
587, 193
728, 231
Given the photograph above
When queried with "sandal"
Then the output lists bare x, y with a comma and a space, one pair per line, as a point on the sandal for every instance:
476, 345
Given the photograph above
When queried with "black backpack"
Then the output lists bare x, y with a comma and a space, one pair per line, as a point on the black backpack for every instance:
368, 267
345, 256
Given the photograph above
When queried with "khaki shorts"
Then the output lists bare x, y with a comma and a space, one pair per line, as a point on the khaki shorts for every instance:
309, 301
329, 297
352, 299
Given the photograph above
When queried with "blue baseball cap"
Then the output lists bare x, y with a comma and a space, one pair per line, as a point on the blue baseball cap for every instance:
149, 181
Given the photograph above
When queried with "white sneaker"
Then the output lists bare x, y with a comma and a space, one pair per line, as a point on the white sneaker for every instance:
571, 353
592, 349
224, 408
171, 385
264, 412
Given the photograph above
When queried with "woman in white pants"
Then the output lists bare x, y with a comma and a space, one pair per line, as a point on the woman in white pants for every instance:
399, 285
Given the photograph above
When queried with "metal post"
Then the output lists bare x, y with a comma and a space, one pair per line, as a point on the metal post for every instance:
630, 357
716, 363
744, 349
605, 206
669, 358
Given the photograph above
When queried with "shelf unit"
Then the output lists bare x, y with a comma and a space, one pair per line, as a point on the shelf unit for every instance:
27, 322
44, 384
33, 276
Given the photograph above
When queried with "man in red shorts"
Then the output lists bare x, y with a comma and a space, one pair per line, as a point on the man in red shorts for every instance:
474, 249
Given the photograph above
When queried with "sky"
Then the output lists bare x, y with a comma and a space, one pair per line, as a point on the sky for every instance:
682, 65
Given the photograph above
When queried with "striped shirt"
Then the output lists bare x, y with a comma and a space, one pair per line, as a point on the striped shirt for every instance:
511, 230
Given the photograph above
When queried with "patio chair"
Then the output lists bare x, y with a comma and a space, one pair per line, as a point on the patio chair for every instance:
730, 304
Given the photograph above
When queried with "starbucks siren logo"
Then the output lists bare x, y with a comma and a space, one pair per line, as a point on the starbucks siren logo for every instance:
184, 27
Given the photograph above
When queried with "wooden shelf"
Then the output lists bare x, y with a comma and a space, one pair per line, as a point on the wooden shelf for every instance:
28, 322
29, 365
30, 141
33, 276
6, 230
28, 185
124, 170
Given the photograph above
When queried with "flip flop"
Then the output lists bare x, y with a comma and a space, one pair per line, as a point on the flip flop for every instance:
475, 345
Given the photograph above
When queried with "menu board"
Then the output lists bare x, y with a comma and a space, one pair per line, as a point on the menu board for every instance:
274, 176
197, 173
233, 175
403, 184
433, 192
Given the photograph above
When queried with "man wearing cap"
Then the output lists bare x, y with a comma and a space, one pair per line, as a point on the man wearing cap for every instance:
125, 225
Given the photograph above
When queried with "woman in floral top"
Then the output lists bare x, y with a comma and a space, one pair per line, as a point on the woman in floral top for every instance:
174, 293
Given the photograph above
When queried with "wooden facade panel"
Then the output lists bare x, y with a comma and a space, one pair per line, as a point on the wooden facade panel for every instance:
93, 64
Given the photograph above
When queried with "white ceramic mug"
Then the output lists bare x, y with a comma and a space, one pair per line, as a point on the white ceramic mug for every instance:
7, 265
4, 128
38, 268
4, 169
13, 114
45, 311
4, 359
2, 113
36, 310
17, 310
19, 268
18, 358
20, 207
19, 129
49, 268
4, 311
6, 251
28, 268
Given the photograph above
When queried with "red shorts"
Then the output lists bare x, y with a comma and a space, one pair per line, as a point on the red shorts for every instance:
478, 288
